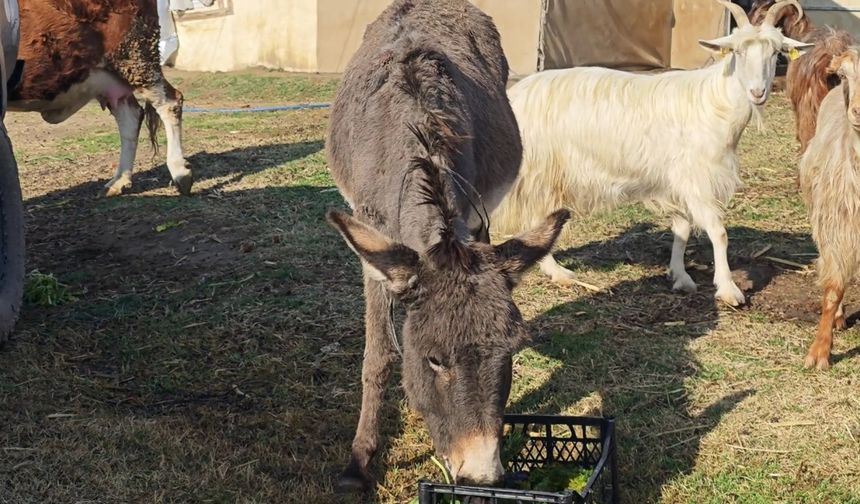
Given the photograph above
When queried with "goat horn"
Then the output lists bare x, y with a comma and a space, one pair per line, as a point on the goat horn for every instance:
737, 12
771, 17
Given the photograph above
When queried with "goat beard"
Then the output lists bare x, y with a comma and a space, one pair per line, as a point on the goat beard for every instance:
757, 117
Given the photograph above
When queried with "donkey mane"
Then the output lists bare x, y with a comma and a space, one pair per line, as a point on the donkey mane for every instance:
436, 136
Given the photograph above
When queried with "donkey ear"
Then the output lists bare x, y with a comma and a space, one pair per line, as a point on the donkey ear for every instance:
521, 252
391, 263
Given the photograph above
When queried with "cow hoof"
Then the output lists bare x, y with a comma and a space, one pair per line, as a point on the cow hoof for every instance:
116, 188
183, 183
353, 481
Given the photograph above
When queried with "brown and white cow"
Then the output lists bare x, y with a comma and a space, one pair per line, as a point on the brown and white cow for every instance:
75, 51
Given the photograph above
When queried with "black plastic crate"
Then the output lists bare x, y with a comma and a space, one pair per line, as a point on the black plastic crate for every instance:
581, 441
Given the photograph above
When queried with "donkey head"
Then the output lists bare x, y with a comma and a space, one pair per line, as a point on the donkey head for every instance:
847, 67
462, 326
754, 48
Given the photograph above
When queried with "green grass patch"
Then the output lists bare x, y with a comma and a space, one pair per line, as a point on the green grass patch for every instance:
42, 289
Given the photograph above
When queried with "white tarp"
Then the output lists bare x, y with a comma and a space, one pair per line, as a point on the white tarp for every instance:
169, 43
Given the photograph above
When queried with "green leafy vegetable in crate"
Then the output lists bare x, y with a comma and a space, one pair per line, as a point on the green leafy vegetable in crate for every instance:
555, 477
558, 477
549, 478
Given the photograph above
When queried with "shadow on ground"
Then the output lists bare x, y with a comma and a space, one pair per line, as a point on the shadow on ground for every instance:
625, 353
218, 330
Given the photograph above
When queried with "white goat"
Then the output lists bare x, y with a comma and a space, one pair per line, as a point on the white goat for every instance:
830, 180
594, 138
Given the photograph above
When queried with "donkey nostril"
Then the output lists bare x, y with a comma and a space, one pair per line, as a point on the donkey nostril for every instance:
855, 111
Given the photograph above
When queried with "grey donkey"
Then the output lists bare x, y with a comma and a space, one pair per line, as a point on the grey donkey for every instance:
422, 145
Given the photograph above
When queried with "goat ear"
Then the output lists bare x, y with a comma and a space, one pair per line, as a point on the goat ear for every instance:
521, 252
835, 63
393, 264
795, 47
720, 45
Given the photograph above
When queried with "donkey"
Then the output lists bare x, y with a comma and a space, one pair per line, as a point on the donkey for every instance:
422, 136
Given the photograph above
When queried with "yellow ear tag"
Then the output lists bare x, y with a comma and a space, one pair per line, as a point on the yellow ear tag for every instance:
724, 51
793, 54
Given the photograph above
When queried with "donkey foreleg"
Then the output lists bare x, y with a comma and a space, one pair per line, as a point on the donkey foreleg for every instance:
379, 355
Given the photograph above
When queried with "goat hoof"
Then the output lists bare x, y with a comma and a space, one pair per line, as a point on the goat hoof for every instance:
563, 281
839, 324
818, 359
731, 295
352, 480
183, 183
684, 284
116, 187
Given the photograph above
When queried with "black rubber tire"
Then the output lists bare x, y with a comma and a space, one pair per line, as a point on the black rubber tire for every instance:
11, 239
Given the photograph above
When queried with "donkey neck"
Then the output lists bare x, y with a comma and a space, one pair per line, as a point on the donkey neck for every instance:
420, 223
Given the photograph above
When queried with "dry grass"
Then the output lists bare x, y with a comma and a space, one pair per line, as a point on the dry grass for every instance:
219, 360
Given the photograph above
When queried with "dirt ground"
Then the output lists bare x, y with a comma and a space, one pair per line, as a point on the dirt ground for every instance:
213, 351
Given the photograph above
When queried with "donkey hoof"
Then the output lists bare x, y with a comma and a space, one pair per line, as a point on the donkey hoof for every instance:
352, 483
183, 183
353, 479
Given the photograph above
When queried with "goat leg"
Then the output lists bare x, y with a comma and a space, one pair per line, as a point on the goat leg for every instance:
819, 352
680, 278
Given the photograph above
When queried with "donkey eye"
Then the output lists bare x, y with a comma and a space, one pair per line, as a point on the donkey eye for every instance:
435, 364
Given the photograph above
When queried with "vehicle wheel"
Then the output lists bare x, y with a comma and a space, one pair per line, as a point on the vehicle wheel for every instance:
11, 239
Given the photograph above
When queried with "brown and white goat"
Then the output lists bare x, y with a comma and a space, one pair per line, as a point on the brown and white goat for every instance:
807, 79
830, 181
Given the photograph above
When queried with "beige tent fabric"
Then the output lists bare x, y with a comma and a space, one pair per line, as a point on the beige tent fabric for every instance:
627, 34
695, 20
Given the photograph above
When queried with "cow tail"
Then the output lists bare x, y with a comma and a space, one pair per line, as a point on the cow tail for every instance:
152, 123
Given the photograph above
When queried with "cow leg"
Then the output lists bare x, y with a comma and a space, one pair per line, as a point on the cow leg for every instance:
819, 352
167, 102
379, 355
128, 115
